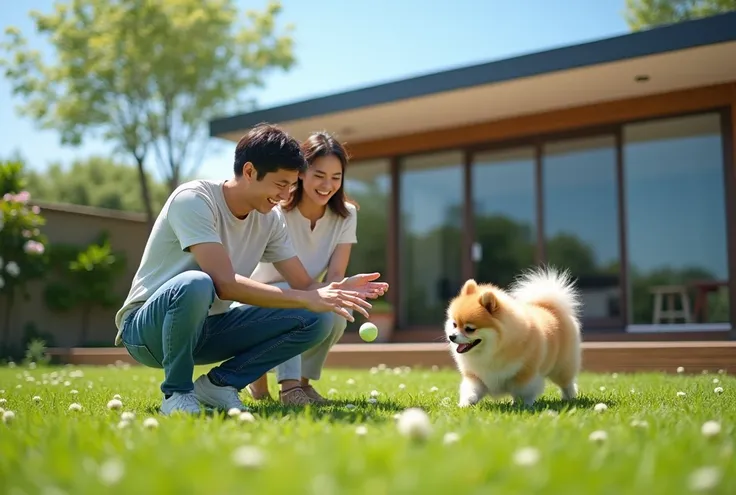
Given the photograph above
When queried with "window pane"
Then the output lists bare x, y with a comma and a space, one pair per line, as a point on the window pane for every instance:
675, 212
431, 235
581, 219
504, 206
368, 183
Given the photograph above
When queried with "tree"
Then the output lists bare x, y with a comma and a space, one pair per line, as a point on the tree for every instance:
96, 181
22, 246
643, 14
146, 75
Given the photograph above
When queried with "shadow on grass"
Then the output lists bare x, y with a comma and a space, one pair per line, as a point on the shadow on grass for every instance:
542, 404
336, 411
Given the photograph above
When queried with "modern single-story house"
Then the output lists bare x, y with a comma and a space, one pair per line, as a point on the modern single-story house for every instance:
614, 159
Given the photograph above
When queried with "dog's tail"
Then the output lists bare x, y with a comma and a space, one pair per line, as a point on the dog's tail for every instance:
549, 288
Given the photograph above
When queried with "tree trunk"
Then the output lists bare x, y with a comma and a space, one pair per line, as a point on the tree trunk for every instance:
145, 193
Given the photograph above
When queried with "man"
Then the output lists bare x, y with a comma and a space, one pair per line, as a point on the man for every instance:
177, 312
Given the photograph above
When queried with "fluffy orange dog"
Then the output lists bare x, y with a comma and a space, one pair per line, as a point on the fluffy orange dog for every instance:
508, 342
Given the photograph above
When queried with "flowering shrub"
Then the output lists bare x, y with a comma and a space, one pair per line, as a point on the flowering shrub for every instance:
22, 246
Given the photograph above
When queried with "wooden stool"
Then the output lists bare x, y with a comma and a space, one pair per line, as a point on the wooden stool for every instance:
671, 291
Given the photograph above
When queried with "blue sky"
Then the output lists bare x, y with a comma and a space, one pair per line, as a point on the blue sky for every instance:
343, 45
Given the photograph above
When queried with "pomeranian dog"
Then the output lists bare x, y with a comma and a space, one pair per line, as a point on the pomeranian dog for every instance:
507, 342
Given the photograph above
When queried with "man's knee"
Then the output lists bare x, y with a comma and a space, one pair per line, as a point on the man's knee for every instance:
196, 287
320, 327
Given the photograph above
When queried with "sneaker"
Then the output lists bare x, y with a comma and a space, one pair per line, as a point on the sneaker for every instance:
294, 397
224, 398
178, 402
314, 395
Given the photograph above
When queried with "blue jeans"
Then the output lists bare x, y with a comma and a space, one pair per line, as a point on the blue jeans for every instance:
173, 331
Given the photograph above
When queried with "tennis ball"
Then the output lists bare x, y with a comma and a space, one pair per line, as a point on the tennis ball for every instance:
368, 332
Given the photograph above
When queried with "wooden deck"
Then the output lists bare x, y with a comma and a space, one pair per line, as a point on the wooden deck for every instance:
597, 356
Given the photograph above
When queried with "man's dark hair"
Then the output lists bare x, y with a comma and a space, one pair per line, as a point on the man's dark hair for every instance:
269, 149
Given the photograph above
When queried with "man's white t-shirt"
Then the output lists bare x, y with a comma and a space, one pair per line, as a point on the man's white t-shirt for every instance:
313, 247
196, 212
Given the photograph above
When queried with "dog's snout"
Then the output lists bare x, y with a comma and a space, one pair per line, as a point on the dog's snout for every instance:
453, 337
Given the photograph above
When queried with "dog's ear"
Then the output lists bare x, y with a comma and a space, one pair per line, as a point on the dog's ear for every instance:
470, 287
488, 300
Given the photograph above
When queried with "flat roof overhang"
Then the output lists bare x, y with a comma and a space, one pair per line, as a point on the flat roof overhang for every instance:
680, 56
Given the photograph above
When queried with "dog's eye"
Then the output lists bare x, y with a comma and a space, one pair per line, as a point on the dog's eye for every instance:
469, 329
454, 325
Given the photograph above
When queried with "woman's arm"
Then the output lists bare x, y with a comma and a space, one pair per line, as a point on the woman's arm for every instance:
338, 263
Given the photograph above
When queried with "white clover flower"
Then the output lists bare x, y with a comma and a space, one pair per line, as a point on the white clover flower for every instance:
415, 424
111, 472
704, 479
681, 394
248, 456
75, 407
114, 404
450, 438
127, 416
36, 398
527, 456
375, 393
350, 381
600, 407
8, 416
150, 423
598, 436
710, 429
434, 389
718, 390
246, 417
233, 411
361, 430
402, 386
680, 369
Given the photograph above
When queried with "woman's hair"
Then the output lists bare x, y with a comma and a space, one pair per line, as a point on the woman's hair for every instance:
316, 146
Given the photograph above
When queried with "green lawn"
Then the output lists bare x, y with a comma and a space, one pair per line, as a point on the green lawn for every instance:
654, 443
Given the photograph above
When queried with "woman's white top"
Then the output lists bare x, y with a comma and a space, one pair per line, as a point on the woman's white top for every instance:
313, 247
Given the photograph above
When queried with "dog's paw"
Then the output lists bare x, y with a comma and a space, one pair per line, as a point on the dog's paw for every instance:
468, 401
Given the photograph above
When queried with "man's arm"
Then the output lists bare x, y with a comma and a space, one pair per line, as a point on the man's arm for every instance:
296, 275
214, 260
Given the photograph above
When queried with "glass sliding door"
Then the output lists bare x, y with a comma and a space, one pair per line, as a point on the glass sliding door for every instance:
581, 223
430, 239
676, 221
504, 214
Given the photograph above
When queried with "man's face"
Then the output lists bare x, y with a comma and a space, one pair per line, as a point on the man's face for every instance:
273, 188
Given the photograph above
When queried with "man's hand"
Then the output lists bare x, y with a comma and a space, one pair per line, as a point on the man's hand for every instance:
363, 284
330, 299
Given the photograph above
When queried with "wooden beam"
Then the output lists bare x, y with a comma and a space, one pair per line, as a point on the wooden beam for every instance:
676, 102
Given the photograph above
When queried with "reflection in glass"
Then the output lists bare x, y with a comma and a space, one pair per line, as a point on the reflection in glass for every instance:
431, 235
581, 219
504, 210
675, 211
368, 183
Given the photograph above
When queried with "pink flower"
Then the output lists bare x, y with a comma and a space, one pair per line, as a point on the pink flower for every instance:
36, 209
23, 197
8, 197
33, 247
26, 234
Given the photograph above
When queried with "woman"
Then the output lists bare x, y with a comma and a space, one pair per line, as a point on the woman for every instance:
322, 227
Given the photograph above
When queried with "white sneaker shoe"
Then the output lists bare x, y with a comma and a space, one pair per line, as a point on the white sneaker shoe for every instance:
186, 403
225, 398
